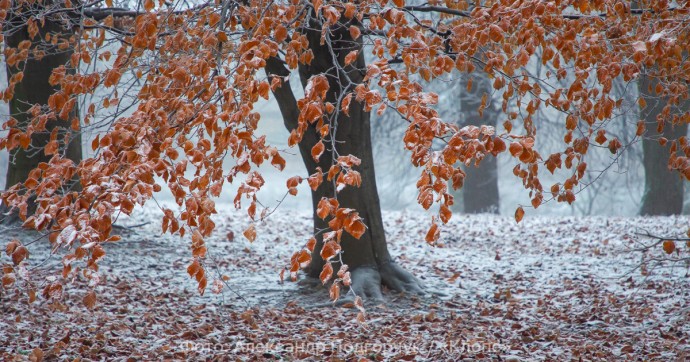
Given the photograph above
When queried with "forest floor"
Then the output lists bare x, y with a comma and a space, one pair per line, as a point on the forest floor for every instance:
559, 288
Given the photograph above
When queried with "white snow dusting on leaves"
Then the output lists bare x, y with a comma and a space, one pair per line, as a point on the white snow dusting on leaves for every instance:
545, 289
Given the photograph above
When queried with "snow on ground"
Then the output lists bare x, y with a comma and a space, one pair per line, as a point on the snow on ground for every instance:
546, 289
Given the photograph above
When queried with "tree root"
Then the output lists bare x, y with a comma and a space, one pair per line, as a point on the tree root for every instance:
368, 279
396, 278
366, 283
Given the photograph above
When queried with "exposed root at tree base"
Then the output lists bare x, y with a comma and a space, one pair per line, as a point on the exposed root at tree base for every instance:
368, 280
396, 278
366, 283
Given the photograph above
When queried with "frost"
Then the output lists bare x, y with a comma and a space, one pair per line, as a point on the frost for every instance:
429, 97
657, 36
67, 235
560, 273
640, 46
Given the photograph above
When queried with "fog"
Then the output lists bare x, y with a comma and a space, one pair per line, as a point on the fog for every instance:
617, 191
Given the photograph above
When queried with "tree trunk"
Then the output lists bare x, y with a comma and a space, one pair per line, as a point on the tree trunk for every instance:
663, 191
368, 257
35, 89
480, 190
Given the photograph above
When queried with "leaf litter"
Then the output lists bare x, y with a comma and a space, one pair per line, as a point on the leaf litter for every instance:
557, 288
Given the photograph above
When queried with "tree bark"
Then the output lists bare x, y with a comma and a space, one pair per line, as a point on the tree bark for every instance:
36, 89
663, 191
368, 258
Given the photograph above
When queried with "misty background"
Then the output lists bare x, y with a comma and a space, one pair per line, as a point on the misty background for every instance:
617, 191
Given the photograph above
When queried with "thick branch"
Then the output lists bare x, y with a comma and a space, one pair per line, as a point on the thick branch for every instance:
467, 14
286, 99
102, 13
437, 9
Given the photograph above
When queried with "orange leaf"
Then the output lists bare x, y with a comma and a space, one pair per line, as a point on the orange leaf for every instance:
360, 318
311, 244
90, 299
519, 213
264, 88
213, 19
11, 247
202, 285
332, 172
315, 179
250, 233
7, 280
193, 268
334, 291
432, 234
303, 258
499, 146
357, 229
350, 10
329, 250
280, 33
292, 183
345, 104
515, 149
615, 144
359, 304
317, 151
354, 32
323, 209
570, 122
326, 273
669, 246
347, 280
537, 200
445, 213
95, 143
351, 57
342, 270
36, 355
199, 252
19, 254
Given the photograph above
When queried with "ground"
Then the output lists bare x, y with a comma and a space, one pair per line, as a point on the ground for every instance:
544, 289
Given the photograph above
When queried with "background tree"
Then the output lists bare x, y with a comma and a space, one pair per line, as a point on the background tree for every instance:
32, 89
480, 189
663, 190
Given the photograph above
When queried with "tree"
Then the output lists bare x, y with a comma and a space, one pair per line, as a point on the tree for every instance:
366, 253
32, 88
663, 191
193, 74
480, 189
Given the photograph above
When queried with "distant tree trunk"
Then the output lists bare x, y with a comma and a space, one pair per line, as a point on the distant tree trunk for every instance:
35, 89
368, 257
663, 191
480, 190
